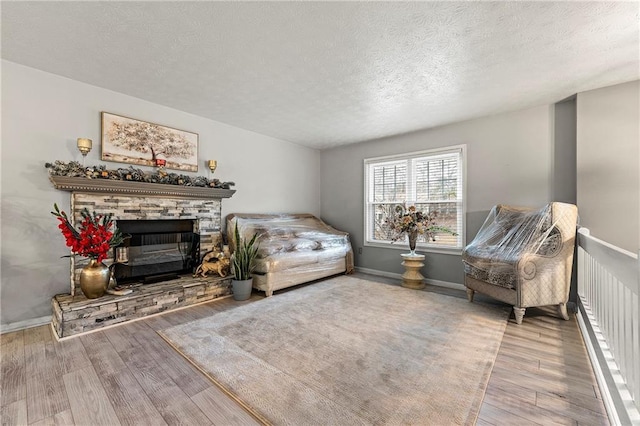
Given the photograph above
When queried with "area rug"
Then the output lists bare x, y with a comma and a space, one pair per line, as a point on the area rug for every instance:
348, 351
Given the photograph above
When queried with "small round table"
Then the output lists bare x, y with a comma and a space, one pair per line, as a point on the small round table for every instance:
412, 278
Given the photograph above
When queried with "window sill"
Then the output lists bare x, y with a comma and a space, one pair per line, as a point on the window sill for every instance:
404, 247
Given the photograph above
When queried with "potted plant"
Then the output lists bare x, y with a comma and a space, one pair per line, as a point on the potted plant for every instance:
243, 264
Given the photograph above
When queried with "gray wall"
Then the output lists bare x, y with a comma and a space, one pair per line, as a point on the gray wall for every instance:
43, 114
508, 161
563, 166
608, 136
564, 152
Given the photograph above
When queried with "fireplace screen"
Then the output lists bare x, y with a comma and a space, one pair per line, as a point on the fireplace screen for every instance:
158, 250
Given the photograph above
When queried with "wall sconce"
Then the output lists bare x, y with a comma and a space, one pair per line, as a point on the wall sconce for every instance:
84, 146
212, 164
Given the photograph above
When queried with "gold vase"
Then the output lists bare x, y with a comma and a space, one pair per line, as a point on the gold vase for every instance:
94, 279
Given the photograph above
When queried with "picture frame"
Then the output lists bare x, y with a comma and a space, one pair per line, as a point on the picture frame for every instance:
133, 141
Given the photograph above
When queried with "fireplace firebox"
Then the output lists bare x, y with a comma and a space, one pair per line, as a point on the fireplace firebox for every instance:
158, 250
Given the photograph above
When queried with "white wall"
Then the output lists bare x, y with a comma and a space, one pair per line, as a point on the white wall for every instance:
43, 114
608, 138
508, 161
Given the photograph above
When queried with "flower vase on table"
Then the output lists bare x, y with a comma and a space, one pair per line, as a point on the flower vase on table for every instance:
413, 223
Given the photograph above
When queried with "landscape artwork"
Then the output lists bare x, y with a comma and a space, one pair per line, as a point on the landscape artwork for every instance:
126, 140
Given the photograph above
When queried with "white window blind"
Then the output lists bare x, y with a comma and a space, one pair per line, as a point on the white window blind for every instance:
430, 180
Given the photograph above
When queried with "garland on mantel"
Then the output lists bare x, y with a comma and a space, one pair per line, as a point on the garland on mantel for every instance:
75, 169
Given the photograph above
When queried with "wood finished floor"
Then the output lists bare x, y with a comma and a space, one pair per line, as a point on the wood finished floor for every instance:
128, 375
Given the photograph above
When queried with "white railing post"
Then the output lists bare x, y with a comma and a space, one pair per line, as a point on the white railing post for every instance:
609, 304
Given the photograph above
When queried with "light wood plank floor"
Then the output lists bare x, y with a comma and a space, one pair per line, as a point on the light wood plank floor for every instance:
128, 375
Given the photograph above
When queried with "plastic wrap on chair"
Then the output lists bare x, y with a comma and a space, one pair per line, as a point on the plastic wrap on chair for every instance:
508, 234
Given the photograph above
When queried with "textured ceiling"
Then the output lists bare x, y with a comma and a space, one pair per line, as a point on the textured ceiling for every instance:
325, 74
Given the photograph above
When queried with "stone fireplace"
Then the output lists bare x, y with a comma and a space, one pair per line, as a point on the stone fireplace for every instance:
204, 214
172, 226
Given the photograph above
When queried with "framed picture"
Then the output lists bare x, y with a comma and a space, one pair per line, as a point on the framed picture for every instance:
127, 140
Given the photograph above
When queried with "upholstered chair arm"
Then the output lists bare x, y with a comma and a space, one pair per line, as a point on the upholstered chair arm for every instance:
542, 280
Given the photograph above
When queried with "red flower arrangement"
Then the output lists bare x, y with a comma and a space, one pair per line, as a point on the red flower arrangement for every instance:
95, 236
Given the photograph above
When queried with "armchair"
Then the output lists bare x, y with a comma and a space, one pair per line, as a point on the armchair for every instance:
523, 257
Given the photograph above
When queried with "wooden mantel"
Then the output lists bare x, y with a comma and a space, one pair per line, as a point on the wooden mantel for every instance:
80, 184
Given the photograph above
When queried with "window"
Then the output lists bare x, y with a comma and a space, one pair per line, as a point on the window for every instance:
430, 180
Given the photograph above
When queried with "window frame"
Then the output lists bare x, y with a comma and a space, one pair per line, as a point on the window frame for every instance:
421, 247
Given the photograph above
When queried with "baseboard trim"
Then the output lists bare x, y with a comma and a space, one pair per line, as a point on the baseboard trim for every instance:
447, 284
23, 325
378, 273
397, 276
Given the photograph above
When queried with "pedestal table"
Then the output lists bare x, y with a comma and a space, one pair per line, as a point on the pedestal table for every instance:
412, 278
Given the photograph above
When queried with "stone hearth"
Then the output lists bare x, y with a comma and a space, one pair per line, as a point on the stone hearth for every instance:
73, 315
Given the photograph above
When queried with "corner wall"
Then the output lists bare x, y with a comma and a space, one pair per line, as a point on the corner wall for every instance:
508, 161
564, 151
608, 158
43, 114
